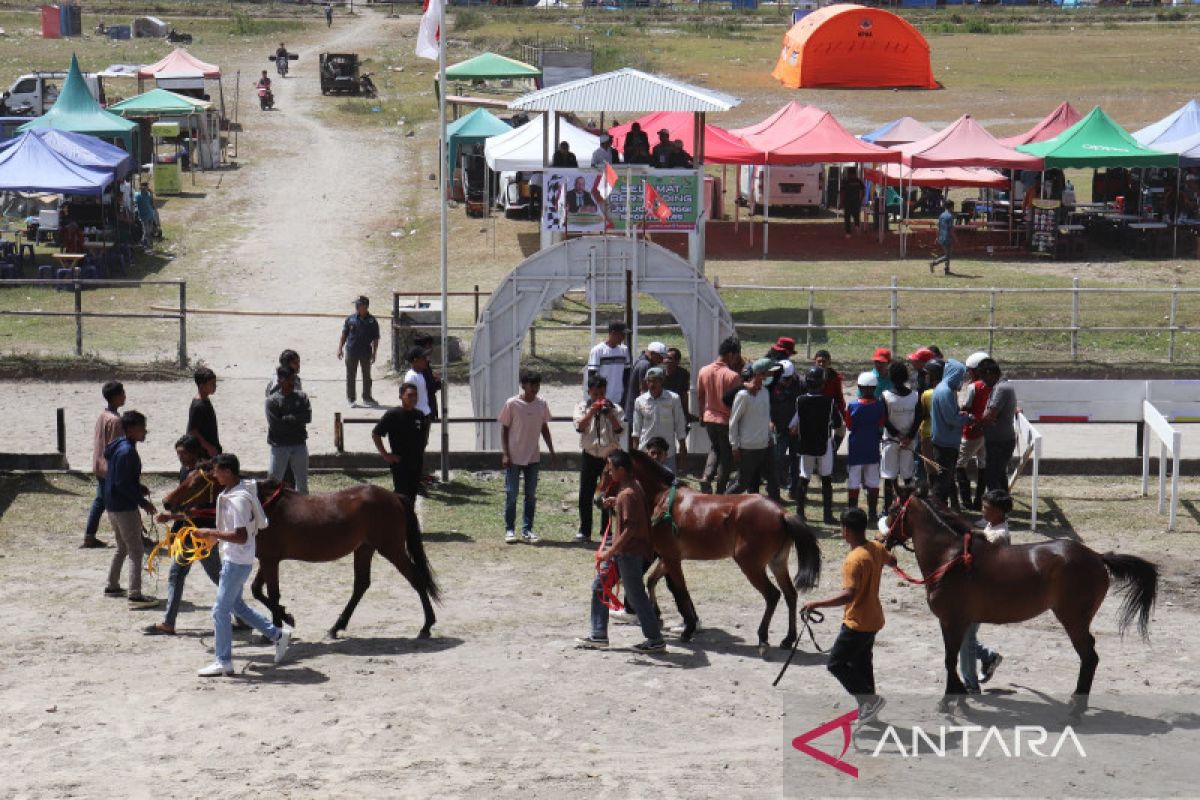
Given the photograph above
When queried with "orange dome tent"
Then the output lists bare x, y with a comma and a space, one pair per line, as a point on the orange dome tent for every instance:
849, 46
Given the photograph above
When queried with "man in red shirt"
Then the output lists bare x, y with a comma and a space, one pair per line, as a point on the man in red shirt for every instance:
712, 382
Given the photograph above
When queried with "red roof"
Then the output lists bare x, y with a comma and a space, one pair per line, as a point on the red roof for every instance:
966, 143
1055, 123
895, 174
180, 63
720, 146
806, 135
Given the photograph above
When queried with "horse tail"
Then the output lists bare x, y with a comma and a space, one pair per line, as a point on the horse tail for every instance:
1140, 589
808, 552
416, 551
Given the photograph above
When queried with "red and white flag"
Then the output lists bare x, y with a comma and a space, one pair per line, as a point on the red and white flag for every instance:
655, 206
606, 182
429, 35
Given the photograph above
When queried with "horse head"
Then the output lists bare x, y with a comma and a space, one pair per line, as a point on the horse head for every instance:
198, 490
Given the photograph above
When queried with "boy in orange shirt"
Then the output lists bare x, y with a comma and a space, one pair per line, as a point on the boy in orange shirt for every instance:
850, 658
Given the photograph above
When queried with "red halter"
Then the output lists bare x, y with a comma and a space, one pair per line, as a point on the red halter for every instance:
931, 580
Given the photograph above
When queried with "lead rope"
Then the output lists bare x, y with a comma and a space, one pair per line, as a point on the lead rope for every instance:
812, 616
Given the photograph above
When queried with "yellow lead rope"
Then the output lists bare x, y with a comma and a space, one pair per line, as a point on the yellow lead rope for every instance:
183, 546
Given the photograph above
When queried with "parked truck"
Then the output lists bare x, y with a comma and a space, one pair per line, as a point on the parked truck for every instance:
801, 186
33, 94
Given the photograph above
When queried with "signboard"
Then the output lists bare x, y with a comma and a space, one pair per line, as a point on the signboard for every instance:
574, 200
1043, 234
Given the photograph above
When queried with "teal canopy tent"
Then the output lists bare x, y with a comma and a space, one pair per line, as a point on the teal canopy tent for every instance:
77, 111
472, 129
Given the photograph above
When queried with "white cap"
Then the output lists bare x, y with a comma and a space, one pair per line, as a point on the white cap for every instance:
789, 369
973, 360
867, 379
657, 347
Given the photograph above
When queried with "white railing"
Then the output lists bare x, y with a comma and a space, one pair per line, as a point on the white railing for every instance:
1170, 440
1029, 445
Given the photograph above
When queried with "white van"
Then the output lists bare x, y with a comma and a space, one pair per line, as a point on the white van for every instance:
32, 95
801, 186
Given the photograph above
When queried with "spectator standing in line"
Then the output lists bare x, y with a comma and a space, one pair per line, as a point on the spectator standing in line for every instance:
933, 376
658, 412
405, 430
433, 381
123, 496
832, 387
783, 392
598, 422
522, 419
358, 346
783, 349
678, 379
663, 154
711, 384
610, 358
108, 428
291, 360
202, 417
563, 157
852, 191
814, 424
328, 15
605, 153
918, 359
652, 356
866, 419
947, 421
418, 360
750, 434
288, 415
945, 238
903, 421
637, 145
999, 433
971, 456
881, 361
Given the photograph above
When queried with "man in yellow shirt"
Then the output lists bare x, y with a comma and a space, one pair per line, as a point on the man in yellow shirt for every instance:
850, 658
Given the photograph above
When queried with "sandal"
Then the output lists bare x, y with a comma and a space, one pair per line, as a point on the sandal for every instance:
158, 629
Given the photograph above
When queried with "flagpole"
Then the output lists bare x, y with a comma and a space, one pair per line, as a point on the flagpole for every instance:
444, 248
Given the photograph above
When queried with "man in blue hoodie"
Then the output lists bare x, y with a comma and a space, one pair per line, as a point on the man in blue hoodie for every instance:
947, 422
123, 496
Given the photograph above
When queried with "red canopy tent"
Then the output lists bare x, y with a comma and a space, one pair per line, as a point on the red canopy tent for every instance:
791, 115
966, 143
814, 137
1055, 123
177, 64
950, 177
720, 146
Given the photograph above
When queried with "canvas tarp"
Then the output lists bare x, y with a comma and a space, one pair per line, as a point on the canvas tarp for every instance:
76, 110
965, 143
159, 103
1182, 123
1054, 123
179, 63
490, 67
521, 148
898, 131
151, 27
854, 47
82, 150
1094, 142
29, 164
471, 129
720, 146
950, 177
809, 135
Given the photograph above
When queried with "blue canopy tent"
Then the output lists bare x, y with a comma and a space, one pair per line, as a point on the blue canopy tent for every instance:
80, 149
29, 164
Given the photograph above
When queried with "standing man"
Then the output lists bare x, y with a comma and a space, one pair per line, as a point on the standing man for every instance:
418, 359
750, 434
678, 379
405, 429
108, 428
881, 365
711, 384
947, 422
851, 658
652, 356
328, 15
932, 374
783, 349
999, 433
288, 415
147, 214
202, 418
598, 421
629, 548
902, 408
865, 419
358, 345
605, 153
945, 237
657, 412
291, 360
971, 456
853, 190
123, 496
663, 154
814, 424
522, 419
784, 391
610, 358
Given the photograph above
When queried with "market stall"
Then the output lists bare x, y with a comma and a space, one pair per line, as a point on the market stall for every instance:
197, 118
77, 111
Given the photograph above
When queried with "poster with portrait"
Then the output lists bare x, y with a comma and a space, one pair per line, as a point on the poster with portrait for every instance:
574, 200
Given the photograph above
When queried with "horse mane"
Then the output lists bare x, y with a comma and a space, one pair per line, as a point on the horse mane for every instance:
956, 523
657, 470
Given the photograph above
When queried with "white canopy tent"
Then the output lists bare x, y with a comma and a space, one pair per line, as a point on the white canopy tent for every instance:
522, 148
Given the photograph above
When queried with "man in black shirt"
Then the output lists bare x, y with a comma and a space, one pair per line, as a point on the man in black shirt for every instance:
637, 145
288, 415
405, 429
563, 157
360, 341
202, 419
814, 424
678, 379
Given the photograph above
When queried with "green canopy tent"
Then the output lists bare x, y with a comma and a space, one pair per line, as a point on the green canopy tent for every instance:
472, 129
77, 111
163, 104
491, 67
1094, 142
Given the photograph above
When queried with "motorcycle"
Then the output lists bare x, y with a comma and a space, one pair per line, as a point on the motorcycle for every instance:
266, 99
366, 86
179, 38
281, 65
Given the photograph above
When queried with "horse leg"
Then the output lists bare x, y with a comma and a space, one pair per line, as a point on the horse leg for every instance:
756, 573
362, 582
779, 567
268, 575
1077, 627
395, 553
683, 599
953, 633
273, 595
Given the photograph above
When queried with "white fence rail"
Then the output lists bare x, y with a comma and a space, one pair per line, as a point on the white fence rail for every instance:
1171, 442
1029, 447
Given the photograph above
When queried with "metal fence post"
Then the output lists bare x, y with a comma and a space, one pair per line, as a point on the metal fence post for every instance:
477, 303
60, 423
339, 434
183, 353
895, 309
1171, 336
1074, 319
992, 324
812, 310
78, 318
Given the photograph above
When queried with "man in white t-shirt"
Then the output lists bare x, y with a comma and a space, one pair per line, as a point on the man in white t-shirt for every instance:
522, 420
240, 517
610, 358
418, 359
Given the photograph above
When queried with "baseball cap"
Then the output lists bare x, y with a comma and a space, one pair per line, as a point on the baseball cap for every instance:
762, 365
882, 354
921, 355
867, 379
786, 343
973, 360
657, 347
656, 372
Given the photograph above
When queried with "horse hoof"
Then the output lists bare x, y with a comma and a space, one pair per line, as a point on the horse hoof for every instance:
333, 633
424, 634
686, 636
290, 620
787, 643
943, 706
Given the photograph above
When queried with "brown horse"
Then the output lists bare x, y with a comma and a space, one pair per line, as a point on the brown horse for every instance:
751, 529
360, 520
969, 579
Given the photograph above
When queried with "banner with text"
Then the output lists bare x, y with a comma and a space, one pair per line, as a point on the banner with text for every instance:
574, 200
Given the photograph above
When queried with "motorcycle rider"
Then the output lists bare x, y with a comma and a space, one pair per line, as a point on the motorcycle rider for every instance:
266, 100
281, 59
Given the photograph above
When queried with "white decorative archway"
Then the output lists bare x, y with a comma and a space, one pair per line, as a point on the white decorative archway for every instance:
597, 264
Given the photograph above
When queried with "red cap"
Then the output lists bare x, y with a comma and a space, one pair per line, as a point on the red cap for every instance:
922, 355
786, 343
882, 354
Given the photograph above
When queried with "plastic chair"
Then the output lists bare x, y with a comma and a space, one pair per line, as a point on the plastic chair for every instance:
27, 250
8, 270
45, 272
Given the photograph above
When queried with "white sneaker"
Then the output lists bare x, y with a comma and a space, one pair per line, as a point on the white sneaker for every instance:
510, 537
281, 644
530, 537
680, 627
215, 670
623, 617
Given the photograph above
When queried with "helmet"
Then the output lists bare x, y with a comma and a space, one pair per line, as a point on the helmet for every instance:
973, 360
789, 369
814, 378
867, 379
